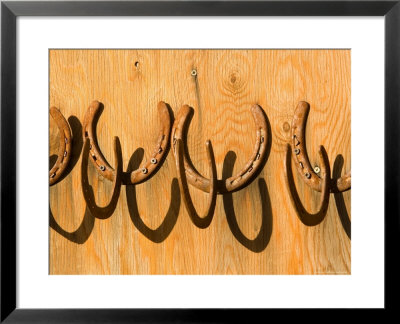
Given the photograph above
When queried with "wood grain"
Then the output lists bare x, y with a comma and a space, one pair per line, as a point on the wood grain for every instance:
255, 230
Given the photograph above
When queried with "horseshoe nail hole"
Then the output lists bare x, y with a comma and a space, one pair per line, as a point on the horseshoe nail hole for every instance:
102, 167
137, 64
53, 175
317, 169
95, 158
297, 151
258, 156
144, 170
65, 153
308, 175
153, 160
301, 164
86, 134
251, 169
66, 141
160, 150
262, 139
194, 72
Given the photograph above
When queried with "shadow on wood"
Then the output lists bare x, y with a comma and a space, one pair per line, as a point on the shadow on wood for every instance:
307, 218
261, 241
52, 160
339, 200
159, 234
79, 236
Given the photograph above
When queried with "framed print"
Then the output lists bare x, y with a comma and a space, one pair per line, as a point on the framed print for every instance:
179, 179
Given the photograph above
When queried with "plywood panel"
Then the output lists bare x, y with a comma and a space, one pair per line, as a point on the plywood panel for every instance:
149, 234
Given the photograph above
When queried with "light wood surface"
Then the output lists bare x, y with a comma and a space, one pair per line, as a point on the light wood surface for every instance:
227, 84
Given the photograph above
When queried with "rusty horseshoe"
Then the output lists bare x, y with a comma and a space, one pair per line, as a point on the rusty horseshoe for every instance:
248, 172
201, 222
64, 150
96, 211
143, 173
306, 217
300, 156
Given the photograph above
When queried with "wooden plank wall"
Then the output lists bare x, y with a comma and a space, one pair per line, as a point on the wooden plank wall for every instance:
149, 234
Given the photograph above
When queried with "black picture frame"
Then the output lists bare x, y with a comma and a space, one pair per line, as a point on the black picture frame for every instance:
10, 10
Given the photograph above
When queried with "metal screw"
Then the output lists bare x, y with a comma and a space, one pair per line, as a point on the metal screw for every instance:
144, 170
296, 151
153, 160
193, 73
102, 167
308, 175
317, 169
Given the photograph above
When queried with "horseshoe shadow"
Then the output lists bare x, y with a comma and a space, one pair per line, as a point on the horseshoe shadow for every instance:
159, 234
259, 243
307, 218
52, 160
339, 200
78, 236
